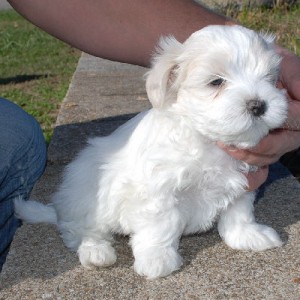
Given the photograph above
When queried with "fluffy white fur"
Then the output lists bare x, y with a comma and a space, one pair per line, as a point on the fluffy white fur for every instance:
161, 175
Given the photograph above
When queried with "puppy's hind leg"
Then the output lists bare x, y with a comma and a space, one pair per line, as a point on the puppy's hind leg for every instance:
96, 251
239, 230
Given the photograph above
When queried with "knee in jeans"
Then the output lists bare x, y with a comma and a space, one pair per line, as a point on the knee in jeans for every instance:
23, 151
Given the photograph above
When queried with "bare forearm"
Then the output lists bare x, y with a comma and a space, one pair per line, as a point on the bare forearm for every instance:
119, 30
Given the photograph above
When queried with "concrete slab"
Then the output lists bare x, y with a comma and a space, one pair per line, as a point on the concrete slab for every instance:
4, 5
40, 267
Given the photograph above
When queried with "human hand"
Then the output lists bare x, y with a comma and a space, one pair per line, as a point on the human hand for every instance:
279, 141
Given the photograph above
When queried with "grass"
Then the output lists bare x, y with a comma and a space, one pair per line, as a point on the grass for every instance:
36, 68
282, 20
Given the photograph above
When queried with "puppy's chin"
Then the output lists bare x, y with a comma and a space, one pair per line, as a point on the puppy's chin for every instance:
246, 140
243, 139
240, 145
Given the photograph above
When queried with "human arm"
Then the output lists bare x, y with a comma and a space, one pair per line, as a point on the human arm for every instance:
125, 31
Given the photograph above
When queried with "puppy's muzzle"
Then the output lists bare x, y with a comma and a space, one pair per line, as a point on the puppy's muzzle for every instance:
256, 107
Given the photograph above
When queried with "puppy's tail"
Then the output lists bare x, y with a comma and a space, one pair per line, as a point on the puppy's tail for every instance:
34, 212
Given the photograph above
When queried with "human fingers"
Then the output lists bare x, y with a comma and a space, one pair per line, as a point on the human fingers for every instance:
256, 179
269, 150
289, 72
293, 120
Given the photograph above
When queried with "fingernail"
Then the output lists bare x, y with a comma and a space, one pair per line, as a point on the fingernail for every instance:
227, 147
231, 148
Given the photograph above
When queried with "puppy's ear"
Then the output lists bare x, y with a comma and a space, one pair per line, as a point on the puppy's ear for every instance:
159, 79
268, 37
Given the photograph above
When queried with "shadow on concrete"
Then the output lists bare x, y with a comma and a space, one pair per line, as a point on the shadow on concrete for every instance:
69, 139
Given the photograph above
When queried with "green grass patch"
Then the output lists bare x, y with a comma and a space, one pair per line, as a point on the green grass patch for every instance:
35, 69
281, 20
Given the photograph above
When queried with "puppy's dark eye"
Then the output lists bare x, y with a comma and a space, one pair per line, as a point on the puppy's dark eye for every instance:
217, 82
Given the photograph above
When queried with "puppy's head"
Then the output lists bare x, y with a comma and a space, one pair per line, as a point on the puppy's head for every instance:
223, 81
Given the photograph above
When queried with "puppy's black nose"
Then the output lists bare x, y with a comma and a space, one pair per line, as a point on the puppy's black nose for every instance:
256, 107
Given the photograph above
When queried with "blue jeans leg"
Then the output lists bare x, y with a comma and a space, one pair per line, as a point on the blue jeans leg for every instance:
22, 162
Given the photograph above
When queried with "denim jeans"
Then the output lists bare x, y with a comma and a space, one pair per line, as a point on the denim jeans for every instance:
22, 161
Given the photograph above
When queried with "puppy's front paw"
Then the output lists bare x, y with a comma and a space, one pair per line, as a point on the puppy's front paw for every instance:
96, 254
156, 262
252, 237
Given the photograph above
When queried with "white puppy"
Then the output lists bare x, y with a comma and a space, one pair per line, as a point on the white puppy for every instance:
161, 175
